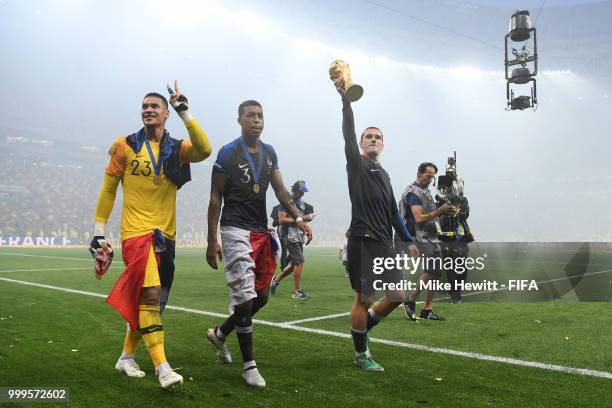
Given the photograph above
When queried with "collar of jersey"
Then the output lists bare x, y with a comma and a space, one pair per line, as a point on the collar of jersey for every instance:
376, 163
165, 145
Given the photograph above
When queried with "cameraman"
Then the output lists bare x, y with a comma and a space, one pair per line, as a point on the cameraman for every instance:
420, 214
455, 239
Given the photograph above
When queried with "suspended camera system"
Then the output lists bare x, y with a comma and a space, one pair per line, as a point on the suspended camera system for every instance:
520, 31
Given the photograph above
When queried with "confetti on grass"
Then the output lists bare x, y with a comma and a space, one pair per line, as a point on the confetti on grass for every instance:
180, 390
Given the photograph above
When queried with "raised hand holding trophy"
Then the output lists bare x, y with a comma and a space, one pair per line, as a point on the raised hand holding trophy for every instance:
340, 70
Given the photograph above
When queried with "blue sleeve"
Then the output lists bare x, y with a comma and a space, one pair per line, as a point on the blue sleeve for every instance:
222, 163
273, 156
400, 226
411, 199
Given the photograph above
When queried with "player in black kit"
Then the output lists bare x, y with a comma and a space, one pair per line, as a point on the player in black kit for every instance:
374, 215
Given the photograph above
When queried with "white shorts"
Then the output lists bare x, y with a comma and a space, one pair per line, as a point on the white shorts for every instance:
249, 260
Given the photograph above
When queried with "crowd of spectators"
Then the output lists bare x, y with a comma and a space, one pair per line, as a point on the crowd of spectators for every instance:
51, 191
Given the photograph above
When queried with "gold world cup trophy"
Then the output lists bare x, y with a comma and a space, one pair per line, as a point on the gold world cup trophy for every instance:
340, 69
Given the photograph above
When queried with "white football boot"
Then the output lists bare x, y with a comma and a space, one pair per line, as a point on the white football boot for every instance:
223, 354
170, 378
130, 367
253, 378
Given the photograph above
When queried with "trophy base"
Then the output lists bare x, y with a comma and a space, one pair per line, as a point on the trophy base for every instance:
353, 93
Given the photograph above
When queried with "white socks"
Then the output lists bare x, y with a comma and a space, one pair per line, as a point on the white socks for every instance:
163, 368
127, 356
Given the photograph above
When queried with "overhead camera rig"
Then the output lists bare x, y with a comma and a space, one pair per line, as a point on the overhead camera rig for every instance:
521, 31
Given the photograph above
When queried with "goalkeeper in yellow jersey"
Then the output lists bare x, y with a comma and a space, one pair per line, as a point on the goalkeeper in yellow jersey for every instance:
151, 166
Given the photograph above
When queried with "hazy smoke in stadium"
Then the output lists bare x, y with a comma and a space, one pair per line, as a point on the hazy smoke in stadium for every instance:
75, 73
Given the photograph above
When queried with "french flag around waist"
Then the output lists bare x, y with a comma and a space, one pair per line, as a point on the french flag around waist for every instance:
125, 295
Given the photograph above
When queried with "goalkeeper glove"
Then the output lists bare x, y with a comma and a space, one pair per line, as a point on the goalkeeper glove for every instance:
102, 253
179, 102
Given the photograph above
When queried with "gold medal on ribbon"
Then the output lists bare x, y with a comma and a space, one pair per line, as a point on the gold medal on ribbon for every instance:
340, 69
256, 171
157, 164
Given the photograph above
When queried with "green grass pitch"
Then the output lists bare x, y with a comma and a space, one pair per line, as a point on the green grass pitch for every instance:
55, 338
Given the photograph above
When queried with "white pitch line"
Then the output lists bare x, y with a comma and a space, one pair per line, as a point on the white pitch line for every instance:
315, 319
476, 356
45, 269
47, 256
311, 319
52, 269
40, 285
543, 262
575, 277
333, 316
538, 282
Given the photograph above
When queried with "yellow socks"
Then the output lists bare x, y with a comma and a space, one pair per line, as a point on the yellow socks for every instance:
152, 332
131, 341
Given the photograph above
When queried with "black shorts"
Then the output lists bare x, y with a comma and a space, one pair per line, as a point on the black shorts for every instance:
433, 259
295, 252
361, 253
166, 271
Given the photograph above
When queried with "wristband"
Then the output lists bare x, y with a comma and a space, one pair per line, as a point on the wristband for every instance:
99, 229
299, 219
185, 116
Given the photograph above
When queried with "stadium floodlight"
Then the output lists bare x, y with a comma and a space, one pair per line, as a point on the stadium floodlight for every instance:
520, 31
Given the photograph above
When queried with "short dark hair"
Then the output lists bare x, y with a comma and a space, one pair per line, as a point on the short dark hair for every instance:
371, 127
244, 104
156, 95
424, 166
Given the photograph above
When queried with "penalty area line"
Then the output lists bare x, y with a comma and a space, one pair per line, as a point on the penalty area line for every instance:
334, 316
476, 356
316, 319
